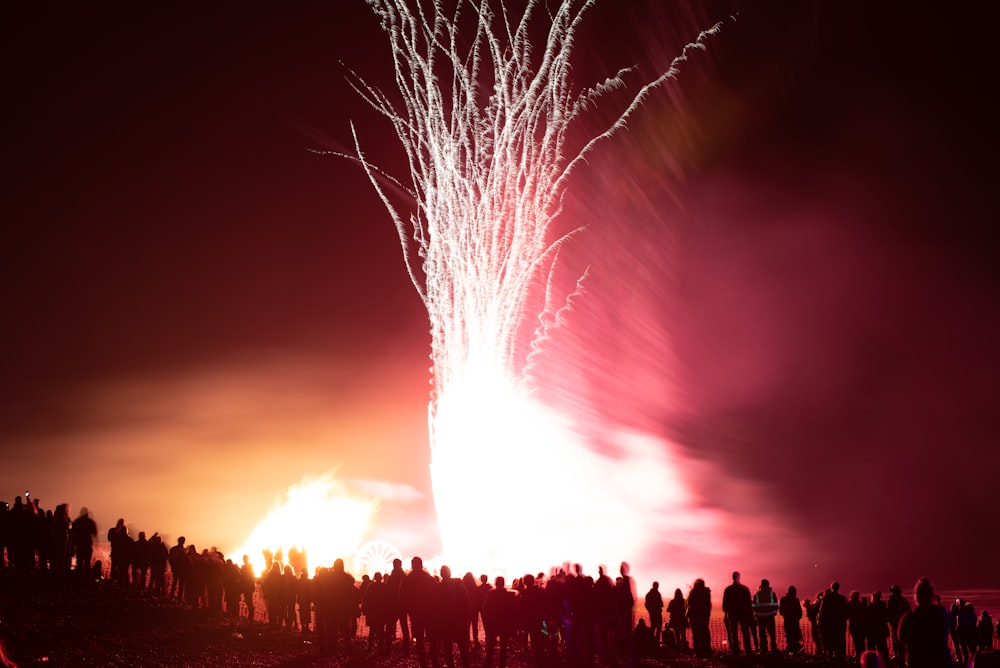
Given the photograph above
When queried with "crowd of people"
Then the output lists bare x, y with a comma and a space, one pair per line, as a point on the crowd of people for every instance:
565, 614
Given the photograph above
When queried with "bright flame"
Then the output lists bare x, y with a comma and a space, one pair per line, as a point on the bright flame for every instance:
518, 490
321, 517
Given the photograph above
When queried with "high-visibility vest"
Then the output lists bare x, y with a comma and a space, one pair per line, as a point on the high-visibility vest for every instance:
767, 608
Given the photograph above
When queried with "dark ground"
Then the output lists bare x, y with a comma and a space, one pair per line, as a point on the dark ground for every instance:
54, 622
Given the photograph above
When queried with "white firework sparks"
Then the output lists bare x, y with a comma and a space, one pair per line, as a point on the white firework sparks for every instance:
488, 170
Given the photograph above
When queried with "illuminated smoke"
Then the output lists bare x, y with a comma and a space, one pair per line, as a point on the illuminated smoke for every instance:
485, 116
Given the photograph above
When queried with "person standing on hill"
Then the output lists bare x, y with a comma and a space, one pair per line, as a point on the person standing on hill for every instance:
765, 608
678, 620
83, 533
699, 612
833, 622
924, 631
499, 621
737, 607
654, 607
878, 625
898, 606
416, 593
791, 612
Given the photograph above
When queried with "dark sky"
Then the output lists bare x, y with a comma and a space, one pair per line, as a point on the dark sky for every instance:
198, 310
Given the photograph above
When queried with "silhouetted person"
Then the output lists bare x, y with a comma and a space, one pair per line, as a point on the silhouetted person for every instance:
533, 613
737, 608
375, 606
60, 545
397, 613
213, 564
857, 622
812, 614
416, 593
499, 621
677, 619
248, 585
121, 544
482, 590
84, 532
624, 604
140, 555
833, 622
180, 566
699, 612
765, 608
271, 587
305, 596
984, 632
450, 626
654, 608
878, 625
231, 588
966, 631
791, 614
923, 632
157, 565
870, 659
646, 646
469, 582
898, 606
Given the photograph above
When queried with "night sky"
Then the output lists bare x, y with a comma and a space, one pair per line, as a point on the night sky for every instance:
199, 310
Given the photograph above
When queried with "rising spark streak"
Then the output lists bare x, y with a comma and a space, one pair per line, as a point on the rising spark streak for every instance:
489, 166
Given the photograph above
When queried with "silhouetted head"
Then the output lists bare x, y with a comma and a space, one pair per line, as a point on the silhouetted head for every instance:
180, 541
678, 594
876, 596
397, 564
483, 579
736, 576
656, 586
923, 591
416, 564
792, 591
499, 583
377, 577
835, 586
895, 589
870, 659
445, 573
529, 580
338, 566
624, 569
765, 584
855, 596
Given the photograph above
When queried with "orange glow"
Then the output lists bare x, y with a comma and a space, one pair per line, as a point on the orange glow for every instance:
322, 517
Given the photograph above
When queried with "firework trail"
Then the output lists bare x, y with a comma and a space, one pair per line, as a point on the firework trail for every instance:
484, 116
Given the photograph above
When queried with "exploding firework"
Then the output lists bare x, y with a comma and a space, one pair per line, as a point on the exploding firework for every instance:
484, 115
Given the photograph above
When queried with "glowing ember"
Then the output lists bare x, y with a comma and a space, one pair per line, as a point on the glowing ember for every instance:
320, 517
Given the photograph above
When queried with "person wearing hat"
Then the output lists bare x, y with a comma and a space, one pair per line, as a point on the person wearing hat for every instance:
765, 607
